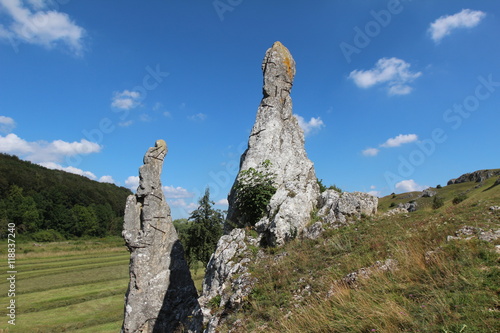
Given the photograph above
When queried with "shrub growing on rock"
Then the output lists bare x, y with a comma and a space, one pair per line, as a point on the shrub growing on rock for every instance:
255, 188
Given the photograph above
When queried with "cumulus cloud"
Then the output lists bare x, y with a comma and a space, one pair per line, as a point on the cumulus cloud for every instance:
409, 186
70, 169
444, 25
42, 151
375, 193
314, 124
222, 202
181, 203
107, 179
198, 117
172, 192
132, 183
370, 152
399, 140
126, 99
31, 23
391, 143
394, 73
7, 124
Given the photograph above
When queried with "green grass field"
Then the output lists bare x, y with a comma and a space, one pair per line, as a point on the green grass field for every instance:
72, 286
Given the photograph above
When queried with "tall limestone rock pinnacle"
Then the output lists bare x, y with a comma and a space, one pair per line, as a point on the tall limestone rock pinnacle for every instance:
161, 296
277, 137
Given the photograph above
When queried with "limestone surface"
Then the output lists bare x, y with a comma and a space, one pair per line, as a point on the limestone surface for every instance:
161, 296
277, 137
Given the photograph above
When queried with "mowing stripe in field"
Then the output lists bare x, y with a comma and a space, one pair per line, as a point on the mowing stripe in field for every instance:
72, 278
59, 297
53, 271
25, 268
56, 260
70, 318
113, 327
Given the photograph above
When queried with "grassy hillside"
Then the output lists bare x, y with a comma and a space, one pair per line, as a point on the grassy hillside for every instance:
437, 285
73, 286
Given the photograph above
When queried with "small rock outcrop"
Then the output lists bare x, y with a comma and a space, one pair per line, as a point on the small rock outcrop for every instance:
277, 137
337, 209
161, 296
428, 193
476, 176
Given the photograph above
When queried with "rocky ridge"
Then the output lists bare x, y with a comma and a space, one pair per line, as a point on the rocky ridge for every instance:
476, 176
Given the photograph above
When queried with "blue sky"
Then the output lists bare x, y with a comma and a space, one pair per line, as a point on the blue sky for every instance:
393, 95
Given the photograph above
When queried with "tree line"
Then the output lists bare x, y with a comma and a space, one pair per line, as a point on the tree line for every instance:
50, 204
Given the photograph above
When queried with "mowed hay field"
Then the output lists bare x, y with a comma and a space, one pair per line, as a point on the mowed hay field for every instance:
72, 286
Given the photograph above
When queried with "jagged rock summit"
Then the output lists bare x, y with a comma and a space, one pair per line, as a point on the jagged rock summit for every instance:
277, 137
161, 296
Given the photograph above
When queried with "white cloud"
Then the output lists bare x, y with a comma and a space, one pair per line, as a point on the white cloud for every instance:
55, 166
172, 192
393, 72
222, 202
167, 114
107, 179
12, 144
35, 26
399, 140
370, 152
7, 124
314, 124
375, 193
132, 183
444, 25
390, 143
198, 117
126, 99
42, 151
409, 186
181, 203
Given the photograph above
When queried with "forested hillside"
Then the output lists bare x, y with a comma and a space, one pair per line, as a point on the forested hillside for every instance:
51, 204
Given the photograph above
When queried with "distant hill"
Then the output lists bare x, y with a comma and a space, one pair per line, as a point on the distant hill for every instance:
38, 199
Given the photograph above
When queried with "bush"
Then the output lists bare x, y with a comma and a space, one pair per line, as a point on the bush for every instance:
335, 188
459, 198
437, 202
322, 188
47, 236
439, 186
254, 191
392, 205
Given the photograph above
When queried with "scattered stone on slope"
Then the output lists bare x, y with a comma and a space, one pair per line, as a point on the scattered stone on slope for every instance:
428, 193
476, 176
351, 280
409, 206
161, 296
468, 233
338, 209
277, 137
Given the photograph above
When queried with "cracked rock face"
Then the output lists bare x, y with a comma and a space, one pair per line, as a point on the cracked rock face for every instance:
161, 294
276, 136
